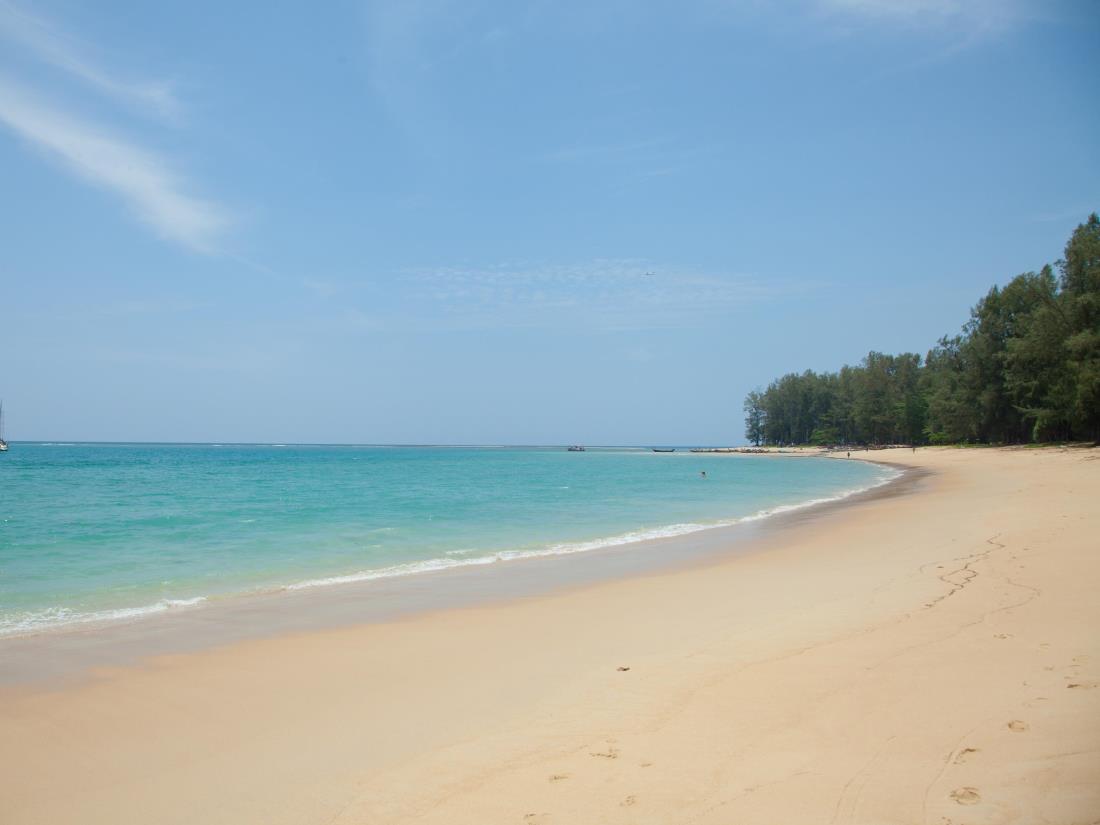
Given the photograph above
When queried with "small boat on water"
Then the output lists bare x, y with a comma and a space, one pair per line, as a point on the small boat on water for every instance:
3, 443
576, 448
664, 449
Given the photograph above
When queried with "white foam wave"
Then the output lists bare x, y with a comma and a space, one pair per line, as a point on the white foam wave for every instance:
51, 617
667, 531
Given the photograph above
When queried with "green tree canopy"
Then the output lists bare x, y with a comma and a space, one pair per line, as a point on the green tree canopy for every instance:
1026, 367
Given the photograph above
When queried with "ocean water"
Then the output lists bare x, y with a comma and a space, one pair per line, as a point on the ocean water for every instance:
92, 532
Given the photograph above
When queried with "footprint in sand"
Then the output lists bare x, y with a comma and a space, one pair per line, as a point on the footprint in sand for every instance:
966, 796
611, 753
1018, 726
558, 777
965, 754
630, 800
1083, 685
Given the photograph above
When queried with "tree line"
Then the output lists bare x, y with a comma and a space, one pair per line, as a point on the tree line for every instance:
1024, 368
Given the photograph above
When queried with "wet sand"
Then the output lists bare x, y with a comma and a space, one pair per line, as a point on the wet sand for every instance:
928, 655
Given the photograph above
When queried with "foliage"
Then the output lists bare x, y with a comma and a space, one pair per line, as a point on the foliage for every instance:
1026, 367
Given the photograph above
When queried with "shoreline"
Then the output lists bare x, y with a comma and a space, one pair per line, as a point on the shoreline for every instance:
59, 616
920, 657
70, 650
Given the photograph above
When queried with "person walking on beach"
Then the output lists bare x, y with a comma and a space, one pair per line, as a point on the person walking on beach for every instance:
849, 454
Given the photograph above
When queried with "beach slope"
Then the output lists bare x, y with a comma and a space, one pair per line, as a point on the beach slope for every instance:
925, 657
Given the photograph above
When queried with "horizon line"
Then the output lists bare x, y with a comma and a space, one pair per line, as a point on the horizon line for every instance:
74, 442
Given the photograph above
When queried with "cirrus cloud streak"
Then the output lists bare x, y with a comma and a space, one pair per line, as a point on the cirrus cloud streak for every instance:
145, 181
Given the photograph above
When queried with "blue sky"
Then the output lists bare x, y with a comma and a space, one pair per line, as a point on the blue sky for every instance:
478, 222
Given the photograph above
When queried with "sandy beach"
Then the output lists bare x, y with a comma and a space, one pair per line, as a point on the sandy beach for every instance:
925, 657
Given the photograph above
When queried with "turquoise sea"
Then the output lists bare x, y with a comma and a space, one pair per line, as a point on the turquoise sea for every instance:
94, 532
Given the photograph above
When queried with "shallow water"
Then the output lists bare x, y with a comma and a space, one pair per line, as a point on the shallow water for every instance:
99, 531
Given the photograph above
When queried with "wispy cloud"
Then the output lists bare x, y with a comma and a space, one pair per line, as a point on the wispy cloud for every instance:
603, 293
145, 181
49, 43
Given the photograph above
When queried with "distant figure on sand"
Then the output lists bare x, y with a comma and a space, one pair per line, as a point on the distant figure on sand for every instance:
849, 454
